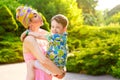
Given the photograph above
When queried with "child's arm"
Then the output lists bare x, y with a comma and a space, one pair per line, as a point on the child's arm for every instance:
23, 35
34, 34
37, 35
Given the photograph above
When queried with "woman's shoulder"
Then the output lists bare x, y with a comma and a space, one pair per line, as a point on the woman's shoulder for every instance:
27, 43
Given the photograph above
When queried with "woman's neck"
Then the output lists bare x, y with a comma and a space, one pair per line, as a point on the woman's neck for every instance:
34, 29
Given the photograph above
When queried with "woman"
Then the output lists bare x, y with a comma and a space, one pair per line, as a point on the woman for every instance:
31, 49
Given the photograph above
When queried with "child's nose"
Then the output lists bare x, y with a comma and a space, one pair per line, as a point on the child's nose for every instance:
54, 29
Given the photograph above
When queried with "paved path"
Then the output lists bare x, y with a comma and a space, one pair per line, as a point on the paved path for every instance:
18, 72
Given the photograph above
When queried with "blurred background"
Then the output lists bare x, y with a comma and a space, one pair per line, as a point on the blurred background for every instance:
93, 33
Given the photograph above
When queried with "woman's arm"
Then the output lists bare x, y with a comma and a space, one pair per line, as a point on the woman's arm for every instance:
31, 45
30, 71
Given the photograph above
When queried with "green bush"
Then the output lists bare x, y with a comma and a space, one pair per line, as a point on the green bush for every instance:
7, 20
10, 45
10, 52
9, 56
116, 70
2, 30
96, 50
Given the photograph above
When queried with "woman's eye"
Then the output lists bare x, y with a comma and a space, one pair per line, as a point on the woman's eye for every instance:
35, 16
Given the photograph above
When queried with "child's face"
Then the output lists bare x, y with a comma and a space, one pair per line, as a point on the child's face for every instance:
56, 27
36, 20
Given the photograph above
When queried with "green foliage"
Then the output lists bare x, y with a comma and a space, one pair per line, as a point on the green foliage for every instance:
72, 65
112, 16
90, 19
116, 69
9, 56
94, 50
7, 21
74, 15
10, 50
113, 11
115, 18
10, 45
12, 5
87, 6
89, 12
2, 30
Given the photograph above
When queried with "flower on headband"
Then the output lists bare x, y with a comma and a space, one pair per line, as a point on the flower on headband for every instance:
29, 10
30, 15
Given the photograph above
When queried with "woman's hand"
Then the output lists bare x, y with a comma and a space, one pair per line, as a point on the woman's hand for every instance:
61, 75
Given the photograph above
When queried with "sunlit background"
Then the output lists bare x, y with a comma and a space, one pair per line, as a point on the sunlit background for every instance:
107, 4
93, 33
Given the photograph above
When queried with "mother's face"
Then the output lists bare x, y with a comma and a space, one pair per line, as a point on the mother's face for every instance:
36, 20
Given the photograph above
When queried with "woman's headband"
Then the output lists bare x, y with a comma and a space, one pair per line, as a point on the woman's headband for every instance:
24, 14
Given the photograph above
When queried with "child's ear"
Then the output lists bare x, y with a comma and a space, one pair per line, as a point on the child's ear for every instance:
65, 29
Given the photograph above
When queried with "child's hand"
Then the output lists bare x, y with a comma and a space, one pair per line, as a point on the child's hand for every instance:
23, 35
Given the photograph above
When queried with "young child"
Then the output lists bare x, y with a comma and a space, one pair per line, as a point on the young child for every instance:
57, 38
